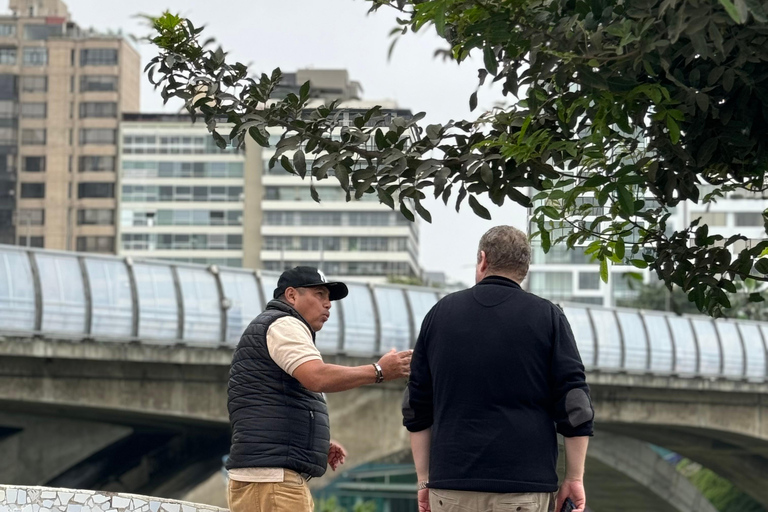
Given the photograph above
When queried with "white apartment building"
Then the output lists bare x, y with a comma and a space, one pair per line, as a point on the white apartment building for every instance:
570, 276
181, 197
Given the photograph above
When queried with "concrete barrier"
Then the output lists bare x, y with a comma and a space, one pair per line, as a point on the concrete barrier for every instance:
14, 498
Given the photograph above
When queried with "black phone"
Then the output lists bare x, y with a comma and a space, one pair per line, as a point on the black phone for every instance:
568, 505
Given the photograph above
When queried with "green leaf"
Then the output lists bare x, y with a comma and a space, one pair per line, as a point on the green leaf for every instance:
489, 59
313, 193
551, 212
604, 270
480, 210
731, 10
385, 198
473, 101
423, 213
619, 248
762, 266
626, 200
674, 130
300, 163
406, 212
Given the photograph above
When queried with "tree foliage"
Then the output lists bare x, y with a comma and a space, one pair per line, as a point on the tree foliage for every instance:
618, 112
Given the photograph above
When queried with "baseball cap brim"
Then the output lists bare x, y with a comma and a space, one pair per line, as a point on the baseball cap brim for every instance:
338, 290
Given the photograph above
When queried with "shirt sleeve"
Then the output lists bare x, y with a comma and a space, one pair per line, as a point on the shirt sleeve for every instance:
417, 400
290, 344
573, 412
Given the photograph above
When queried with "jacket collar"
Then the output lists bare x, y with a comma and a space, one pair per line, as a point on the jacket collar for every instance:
287, 308
501, 280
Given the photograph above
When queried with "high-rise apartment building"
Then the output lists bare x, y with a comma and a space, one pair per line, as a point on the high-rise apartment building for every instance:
571, 276
182, 198
62, 92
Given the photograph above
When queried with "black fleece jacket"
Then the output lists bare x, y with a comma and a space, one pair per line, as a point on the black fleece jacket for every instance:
496, 373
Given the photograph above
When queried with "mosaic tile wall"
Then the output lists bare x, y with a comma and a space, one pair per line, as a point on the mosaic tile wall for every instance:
44, 499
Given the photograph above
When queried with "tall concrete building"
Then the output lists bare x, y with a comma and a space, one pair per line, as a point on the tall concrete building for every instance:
181, 198
62, 91
570, 276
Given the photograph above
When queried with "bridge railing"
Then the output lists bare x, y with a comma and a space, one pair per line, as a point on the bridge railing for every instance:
113, 299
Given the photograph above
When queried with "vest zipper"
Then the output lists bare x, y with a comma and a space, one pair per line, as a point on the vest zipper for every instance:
311, 429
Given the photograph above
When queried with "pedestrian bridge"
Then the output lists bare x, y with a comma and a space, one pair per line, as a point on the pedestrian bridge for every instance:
128, 359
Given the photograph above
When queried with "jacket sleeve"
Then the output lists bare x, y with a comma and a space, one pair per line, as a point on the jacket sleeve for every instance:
417, 399
573, 412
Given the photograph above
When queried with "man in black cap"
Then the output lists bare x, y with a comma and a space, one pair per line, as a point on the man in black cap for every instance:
280, 428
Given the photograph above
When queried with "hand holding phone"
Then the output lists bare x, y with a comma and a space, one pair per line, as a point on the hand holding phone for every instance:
568, 505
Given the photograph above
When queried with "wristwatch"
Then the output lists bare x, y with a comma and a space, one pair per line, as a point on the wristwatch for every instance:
422, 485
379, 373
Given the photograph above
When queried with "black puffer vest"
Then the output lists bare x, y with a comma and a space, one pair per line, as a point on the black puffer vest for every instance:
276, 422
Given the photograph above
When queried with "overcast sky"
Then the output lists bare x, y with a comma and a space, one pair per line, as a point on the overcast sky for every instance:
293, 34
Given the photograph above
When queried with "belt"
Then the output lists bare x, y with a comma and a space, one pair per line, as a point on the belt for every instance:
306, 476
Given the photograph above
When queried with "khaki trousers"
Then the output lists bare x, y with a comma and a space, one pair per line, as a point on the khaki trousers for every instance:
291, 495
467, 501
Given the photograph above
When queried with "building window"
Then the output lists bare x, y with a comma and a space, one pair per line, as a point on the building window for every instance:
34, 110
98, 83
98, 109
8, 137
32, 241
35, 56
8, 56
155, 169
32, 190
152, 193
713, 218
97, 136
95, 190
40, 32
181, 242
7, 109
96, 244
749, 219
98, 57
7, 30
589, 280
33, 136
96, 164
96, 217
552, 285
31, 217
33, 164
34, 83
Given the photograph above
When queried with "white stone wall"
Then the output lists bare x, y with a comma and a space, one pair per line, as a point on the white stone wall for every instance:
44, 499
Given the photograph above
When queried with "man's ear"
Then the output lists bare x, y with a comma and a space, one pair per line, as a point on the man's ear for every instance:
290, 295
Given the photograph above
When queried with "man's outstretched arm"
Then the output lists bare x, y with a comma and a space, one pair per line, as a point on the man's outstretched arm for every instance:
320, 377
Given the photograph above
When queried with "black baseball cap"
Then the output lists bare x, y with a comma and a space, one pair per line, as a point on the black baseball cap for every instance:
306, 277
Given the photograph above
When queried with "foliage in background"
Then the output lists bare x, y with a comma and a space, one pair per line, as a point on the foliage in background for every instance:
720, 492
331, 505
618, 112
656, 297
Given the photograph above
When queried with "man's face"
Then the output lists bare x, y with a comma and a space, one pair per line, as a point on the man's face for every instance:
313, 304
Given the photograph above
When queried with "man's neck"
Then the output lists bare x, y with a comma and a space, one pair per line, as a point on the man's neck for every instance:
515, 279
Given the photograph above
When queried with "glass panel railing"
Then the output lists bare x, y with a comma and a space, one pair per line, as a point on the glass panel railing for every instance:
685, 345
393, 314
733, 350
241, 290
359, 320
63, 292
158, 309
662, 354
268, 284
112, 304
608, 339
753, 344
421, 303
709, 346
635, 344
202, 306
582, 332
17, 291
